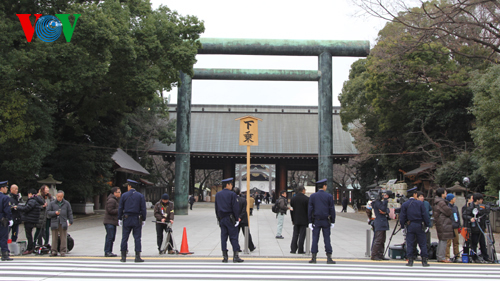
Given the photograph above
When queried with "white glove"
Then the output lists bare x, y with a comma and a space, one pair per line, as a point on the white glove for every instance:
237, 223
143, 223
120, 223
311, 226
11, 223
426, 229
332, 225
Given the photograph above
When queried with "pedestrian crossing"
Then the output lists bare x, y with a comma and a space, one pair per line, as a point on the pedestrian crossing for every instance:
85, 269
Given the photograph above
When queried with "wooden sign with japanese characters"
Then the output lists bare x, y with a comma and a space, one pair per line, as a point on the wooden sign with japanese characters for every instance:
249, 130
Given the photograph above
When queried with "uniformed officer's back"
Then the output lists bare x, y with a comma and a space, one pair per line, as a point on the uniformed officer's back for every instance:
323, 205
413, 211
227, 210
132, 201
132, 216
225, 206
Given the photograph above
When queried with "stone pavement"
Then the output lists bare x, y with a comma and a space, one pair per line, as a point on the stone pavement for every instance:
203, 234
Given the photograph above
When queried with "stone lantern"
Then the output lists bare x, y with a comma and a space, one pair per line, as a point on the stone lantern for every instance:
51, 183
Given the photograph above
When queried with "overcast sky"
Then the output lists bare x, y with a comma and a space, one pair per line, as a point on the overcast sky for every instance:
272, 19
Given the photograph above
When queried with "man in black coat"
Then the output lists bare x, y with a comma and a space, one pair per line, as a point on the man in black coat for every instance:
15, 199
344, 204
30, 214
242, 201
298, 211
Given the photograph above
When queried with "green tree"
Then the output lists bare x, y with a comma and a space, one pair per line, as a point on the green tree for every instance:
486, 88
411, 102
121, 55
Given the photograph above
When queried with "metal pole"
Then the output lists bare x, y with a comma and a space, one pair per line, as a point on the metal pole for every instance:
248, 184
308, 241
368, 242
182, 158
247, 231
325, 133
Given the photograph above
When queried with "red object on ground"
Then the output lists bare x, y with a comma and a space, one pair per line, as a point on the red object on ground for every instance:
184, 245
9, 241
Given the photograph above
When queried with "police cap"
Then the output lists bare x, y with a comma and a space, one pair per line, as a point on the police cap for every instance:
4, 183
411, 191
227, 180
323, 181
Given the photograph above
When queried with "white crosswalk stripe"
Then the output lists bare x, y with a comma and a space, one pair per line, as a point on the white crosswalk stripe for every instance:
84, 269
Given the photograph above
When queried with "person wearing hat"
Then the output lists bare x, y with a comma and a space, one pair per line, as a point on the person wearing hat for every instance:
413, 215
5, 220
111, 220
455, 222
164, 214
227, 210
132, 216
380, 226
321, 216
442, 215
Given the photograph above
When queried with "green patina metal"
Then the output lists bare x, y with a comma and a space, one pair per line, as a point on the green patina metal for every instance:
324, 49
182, 159
284, 47
256, 74
325, 130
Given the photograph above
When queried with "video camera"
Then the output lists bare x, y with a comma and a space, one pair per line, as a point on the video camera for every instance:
401, 199
376, 194
485, 209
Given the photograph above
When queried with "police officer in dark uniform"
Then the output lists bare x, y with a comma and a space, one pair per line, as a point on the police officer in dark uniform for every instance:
415, 218
132, 216
5, 220
321, 215
227, 210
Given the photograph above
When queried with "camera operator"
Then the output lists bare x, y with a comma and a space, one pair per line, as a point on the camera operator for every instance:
415, 217
164, 214
476, 221
381, 225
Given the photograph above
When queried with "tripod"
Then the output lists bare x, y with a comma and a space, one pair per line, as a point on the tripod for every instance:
166, 240
394, 232
490, 242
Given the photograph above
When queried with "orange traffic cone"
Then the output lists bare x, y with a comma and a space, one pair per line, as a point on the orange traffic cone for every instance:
184, 245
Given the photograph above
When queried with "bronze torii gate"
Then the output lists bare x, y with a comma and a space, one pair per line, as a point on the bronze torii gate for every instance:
324, 49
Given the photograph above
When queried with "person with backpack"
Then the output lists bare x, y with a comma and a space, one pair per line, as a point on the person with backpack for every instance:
281, 208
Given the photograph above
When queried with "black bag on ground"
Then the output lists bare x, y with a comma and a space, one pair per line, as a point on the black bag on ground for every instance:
432, 251
70, 243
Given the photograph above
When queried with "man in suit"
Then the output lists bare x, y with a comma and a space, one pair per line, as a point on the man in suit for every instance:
298, 211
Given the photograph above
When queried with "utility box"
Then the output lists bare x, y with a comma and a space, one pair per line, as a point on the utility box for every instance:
17, 248
397, 252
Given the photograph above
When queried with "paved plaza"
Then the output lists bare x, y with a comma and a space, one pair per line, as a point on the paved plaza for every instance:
203, 234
